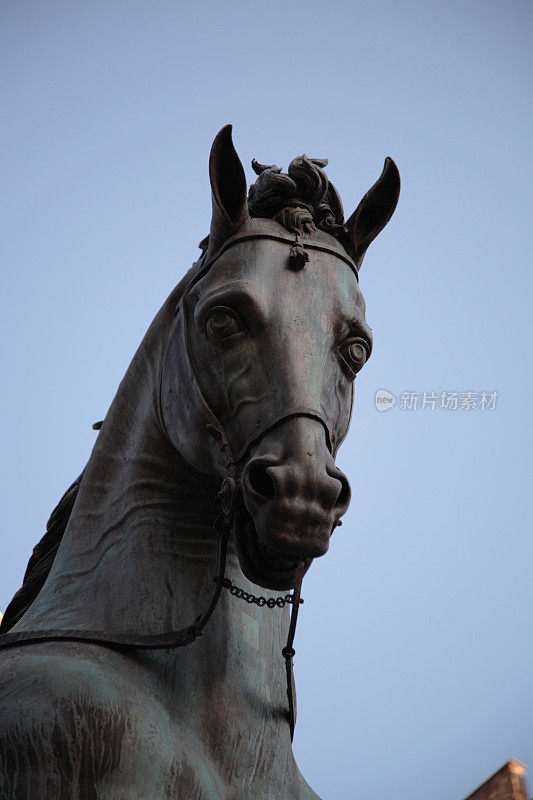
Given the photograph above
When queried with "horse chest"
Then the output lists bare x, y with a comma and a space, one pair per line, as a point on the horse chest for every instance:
83, 723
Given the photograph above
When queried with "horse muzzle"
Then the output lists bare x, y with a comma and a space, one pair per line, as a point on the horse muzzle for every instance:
293, 497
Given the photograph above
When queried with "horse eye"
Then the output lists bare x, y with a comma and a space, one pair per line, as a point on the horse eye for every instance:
355, 354
221, 323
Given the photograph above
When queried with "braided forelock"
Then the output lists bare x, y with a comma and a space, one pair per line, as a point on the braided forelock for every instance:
297, 200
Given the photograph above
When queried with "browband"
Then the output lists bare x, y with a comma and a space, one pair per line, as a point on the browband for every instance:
322, 248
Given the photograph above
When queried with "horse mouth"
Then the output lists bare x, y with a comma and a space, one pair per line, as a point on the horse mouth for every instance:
263, 564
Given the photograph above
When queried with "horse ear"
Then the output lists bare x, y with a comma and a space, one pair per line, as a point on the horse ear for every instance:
228, 190
373, 212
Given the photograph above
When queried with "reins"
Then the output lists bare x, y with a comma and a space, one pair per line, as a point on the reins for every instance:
184, 636
161, 641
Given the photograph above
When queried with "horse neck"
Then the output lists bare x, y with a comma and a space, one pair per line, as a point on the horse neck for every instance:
143, 520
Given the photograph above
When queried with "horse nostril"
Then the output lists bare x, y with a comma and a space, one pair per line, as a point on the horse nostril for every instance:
261, 482
344, 497
345, 494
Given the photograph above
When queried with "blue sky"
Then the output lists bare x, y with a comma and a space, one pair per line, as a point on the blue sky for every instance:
414, 650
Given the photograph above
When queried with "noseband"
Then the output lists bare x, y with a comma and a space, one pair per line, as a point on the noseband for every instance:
223, 524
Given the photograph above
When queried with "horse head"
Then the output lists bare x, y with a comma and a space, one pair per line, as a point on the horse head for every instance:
258, 377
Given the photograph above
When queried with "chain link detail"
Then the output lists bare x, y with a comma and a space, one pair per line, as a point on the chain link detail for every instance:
270, 602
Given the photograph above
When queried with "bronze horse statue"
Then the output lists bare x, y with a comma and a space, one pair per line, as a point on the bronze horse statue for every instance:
214, 469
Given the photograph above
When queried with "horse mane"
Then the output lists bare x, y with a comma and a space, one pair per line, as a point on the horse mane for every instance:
41, 559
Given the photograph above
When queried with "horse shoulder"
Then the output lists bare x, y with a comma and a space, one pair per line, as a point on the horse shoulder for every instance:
73, 720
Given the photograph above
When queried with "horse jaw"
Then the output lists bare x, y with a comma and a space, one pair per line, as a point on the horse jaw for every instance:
261, 564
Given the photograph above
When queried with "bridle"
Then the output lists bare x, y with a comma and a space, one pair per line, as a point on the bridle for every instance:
223, 525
